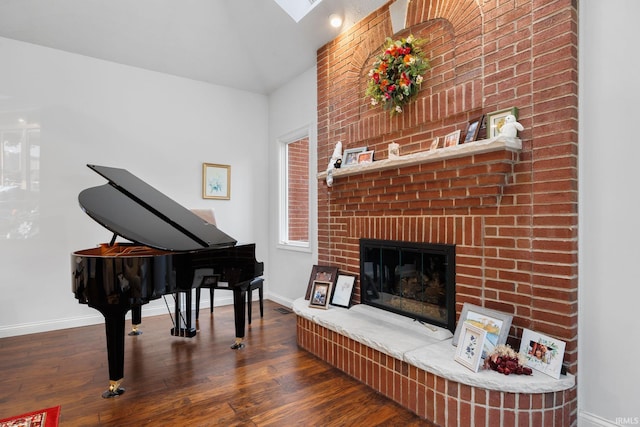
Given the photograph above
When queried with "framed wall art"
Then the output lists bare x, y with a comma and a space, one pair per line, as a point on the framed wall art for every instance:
543, 353
320, 294
435, 143
216, 181
321, 273
469, 351
452, 139
496, 323
350, 156
343, 290
495, 121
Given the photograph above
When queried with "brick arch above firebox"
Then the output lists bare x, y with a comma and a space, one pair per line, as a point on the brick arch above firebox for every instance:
438, 45
452, 90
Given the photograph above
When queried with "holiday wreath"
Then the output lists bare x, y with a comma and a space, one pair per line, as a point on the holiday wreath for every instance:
396, 75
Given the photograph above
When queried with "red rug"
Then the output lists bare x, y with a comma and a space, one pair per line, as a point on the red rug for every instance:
42, 418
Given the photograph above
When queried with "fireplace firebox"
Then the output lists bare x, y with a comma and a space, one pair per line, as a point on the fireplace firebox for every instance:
416, 280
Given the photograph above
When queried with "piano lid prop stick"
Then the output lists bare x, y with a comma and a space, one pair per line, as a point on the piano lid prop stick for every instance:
164, 297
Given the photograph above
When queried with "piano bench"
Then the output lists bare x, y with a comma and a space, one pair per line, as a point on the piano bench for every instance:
255, 284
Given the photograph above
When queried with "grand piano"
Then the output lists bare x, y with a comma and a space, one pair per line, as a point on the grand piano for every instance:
171, 250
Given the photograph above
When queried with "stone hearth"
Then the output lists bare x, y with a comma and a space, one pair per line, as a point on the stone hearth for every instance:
414, 365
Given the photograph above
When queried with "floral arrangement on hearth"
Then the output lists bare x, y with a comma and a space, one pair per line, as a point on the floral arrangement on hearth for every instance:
397, 74
507, 361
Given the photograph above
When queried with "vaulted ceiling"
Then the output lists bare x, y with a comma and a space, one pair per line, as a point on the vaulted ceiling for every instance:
246, 44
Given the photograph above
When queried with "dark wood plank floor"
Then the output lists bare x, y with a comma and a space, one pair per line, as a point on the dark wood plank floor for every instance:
200, 381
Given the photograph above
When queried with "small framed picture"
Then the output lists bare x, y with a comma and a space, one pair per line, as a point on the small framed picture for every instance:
320, 293
495, 121
435, 143
495, 323
543, 353
452, 139
350, 156
473, 129
216, 181
365, 157
469, 351
343, 290
323, 274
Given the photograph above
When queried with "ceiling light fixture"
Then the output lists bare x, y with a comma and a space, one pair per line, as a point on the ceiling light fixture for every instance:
335, 20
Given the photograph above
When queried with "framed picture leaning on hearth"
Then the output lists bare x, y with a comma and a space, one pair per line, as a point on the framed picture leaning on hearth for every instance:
469, 351
323, 273
496, 323
320, 294
343, 290
543, 353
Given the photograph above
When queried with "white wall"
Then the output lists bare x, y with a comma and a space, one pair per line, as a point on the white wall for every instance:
161, 128
609, 338
292, 107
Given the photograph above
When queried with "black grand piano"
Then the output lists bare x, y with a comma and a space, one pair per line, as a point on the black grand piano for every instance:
170, 246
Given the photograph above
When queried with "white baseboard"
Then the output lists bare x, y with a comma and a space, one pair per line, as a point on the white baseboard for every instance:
586, 419
279, 299
94, 317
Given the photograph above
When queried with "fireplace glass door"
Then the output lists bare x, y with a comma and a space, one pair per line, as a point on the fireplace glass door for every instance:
416, 280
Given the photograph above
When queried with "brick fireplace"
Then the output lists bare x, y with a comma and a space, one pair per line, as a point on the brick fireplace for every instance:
512, 214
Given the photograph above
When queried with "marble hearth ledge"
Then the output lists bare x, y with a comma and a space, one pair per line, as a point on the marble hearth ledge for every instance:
425, 347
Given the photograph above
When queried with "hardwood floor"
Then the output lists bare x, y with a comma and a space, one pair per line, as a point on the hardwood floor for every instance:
196, 381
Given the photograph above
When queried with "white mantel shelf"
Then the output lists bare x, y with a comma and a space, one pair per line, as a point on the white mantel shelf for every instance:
499, 143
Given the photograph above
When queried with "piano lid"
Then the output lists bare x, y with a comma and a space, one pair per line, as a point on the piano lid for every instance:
131, 208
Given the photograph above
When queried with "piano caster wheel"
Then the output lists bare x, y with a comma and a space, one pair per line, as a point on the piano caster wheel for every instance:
135, 331
114, 390
237, 345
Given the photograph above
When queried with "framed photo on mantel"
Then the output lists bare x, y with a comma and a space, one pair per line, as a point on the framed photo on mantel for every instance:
452, 139
473, 129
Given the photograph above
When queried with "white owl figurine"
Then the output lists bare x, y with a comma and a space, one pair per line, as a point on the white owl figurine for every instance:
511, 126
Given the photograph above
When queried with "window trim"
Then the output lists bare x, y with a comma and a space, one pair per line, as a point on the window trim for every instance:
283, 211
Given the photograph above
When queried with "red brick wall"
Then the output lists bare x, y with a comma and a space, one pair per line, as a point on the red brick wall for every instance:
516, 245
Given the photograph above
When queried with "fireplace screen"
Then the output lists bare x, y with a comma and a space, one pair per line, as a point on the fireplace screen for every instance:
416, 280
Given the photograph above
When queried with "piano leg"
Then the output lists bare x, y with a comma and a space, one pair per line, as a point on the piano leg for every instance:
136, 320
239, 301
114, 327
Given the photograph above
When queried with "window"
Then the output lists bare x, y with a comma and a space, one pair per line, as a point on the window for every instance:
19, 181
294, 193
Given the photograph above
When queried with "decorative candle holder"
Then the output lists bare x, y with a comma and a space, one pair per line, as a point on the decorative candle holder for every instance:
394, 150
